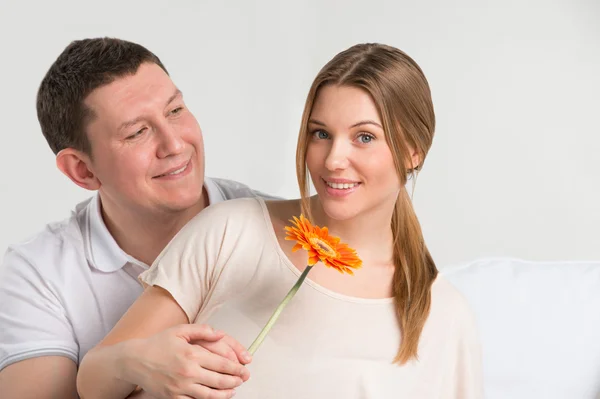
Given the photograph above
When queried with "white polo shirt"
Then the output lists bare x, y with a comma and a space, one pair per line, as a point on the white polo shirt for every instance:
65, 288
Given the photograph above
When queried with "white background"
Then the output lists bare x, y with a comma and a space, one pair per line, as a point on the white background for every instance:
514, 169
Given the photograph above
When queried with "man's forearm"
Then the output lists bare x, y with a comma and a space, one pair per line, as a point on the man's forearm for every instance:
139, 394
101, 373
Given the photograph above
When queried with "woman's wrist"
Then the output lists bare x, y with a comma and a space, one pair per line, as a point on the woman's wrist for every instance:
104, 372
126, 361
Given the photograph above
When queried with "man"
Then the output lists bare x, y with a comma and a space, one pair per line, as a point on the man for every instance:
119, 126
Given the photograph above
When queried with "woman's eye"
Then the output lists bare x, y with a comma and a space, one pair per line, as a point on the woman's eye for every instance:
321, 134
177, 110
365, 138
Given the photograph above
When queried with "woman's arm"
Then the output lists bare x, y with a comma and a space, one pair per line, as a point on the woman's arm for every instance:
469, 367
153, 346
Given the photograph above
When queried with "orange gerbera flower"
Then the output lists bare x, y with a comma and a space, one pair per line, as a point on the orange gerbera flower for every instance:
321, 246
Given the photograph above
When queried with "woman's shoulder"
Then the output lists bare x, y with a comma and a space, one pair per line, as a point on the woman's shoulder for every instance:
449, 303
233, 210
237, 216
231, 217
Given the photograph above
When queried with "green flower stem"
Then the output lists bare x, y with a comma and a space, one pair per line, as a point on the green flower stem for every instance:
278, 311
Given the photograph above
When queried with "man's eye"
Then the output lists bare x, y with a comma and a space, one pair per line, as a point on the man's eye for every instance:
136, 134
177, 110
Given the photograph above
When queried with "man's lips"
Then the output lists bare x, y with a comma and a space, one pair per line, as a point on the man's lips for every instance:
175, 170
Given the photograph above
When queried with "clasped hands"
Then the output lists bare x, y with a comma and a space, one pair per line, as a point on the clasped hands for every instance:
185, 361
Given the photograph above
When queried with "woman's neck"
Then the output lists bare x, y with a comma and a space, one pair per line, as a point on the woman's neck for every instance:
370, 233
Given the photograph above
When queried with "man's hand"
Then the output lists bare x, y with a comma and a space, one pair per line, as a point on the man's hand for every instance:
190, 360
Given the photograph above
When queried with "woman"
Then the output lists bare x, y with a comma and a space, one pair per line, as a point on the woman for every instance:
395, 328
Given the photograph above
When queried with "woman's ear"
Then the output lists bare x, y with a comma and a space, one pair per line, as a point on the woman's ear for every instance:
415, 160
76, 166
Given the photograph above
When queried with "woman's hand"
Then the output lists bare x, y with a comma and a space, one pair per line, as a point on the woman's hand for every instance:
185, 361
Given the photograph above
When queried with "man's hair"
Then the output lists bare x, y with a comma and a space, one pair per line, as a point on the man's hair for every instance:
83, 66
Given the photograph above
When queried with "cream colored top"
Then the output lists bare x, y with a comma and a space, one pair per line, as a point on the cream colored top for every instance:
226, 268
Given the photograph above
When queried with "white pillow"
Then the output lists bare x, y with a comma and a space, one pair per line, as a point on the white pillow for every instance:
539, 324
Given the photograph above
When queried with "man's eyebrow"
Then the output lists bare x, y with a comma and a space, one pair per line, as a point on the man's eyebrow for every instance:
132, 122
174, 96
361, 123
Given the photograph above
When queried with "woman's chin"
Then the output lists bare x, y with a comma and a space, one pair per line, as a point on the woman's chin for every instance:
339, 212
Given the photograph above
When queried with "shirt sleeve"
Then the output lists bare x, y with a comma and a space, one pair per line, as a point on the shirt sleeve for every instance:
469, 368
203, 262
33, 322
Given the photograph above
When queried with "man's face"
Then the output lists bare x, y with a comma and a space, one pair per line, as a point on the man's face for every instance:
147, 147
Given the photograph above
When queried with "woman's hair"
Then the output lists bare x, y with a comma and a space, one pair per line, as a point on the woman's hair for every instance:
402, 96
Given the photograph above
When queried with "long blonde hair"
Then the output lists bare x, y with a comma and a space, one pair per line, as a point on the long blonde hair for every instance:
402, 96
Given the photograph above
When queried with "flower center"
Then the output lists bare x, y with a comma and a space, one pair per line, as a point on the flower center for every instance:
323, 246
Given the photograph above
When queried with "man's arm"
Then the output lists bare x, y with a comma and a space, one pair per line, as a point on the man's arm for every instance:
50, 377
151, 346
38, 352
38, 349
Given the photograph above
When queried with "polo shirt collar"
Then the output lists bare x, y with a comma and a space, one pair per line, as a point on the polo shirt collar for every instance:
102, 251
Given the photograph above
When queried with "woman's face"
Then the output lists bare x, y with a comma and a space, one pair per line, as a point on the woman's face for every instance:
350, 163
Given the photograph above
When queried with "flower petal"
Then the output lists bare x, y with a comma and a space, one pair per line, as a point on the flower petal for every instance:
321, 246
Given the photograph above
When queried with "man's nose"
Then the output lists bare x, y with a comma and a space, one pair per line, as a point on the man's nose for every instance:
171, 142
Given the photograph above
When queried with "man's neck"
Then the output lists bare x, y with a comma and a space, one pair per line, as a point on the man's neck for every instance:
143, 235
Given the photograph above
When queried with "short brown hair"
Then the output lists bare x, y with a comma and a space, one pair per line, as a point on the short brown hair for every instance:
83, 66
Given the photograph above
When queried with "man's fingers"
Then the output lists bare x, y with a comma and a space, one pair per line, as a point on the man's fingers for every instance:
222, 365
219, 381
219, 347
194, 332
242, 354
202, 392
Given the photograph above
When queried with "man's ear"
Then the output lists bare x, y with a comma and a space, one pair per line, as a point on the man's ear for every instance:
76, 165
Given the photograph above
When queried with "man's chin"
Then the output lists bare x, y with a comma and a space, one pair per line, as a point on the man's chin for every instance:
183, 204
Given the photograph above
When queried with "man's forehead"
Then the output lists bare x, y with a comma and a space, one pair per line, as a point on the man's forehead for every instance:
133, 94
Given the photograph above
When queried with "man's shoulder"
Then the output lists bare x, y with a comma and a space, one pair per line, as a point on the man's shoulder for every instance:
57, 240
231, 189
